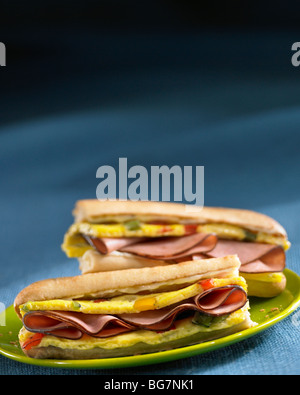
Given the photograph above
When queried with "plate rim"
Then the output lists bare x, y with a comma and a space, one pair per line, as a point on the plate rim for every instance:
164, 356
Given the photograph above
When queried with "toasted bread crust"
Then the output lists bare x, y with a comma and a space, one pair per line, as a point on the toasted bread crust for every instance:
92, 262
93, 210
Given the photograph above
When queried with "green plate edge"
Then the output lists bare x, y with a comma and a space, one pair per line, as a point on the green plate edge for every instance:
265, 312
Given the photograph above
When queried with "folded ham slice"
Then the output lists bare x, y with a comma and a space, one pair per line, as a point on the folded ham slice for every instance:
254, 257
167, 248
106, 245
171, 248
73, 325
214, 302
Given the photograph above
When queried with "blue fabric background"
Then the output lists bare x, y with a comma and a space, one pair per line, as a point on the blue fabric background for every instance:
224, 99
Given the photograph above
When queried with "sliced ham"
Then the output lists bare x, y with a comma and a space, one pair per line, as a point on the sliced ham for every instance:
214, 302
73, 325
254, 257
170, 248
106, 245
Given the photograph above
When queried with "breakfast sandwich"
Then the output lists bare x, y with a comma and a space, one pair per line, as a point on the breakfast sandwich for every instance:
117, 235
133, 311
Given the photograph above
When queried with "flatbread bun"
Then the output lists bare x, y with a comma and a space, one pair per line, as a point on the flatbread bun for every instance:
101, 211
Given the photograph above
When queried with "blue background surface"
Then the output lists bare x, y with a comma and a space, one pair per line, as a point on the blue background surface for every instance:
78, 94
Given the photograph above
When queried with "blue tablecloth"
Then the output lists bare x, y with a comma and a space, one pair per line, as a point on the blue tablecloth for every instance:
239, 116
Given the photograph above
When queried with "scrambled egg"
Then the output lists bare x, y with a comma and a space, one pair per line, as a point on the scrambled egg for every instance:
75, 245
128, 303
227, 231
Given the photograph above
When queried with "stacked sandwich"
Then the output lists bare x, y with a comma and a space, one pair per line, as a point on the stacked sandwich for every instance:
154, 277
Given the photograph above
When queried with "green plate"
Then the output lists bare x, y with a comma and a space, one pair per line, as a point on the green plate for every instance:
265, 312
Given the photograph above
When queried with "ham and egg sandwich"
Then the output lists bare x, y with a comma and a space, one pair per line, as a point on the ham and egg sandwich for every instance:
133, 311
119, 235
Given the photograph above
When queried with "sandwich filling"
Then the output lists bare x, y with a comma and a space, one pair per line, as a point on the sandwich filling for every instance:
259, 253
209, 305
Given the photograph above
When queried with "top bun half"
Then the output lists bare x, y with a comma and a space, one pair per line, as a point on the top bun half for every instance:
105, 211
